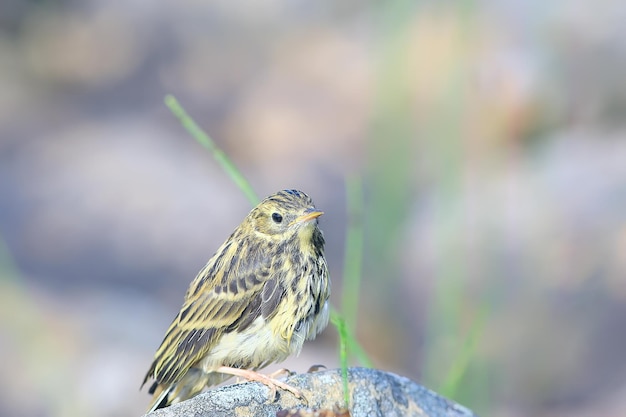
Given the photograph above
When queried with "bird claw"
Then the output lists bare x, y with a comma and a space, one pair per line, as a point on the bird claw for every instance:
316, 368
281, 372
273, 384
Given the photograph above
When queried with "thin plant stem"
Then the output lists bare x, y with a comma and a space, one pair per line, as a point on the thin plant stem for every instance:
353, 252
205, 140
342, 330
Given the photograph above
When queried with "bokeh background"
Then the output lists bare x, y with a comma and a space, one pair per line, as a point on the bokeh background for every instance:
489, 138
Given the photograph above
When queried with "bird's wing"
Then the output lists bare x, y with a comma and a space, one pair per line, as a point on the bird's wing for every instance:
226, 295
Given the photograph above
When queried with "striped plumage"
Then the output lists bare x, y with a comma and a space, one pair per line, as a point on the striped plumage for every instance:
258, 298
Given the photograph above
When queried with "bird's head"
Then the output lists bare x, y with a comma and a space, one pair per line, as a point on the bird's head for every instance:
285, 213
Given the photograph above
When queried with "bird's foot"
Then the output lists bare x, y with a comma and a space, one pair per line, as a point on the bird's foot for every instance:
272, 383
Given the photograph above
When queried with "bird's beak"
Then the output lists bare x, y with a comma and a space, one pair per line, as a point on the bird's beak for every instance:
308, 216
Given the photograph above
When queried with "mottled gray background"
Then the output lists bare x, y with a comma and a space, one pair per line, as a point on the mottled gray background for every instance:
490, 137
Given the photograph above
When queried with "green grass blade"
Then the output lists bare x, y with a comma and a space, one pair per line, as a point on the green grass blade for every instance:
358, 351
462, 359
342, 330
205, 140
353, 252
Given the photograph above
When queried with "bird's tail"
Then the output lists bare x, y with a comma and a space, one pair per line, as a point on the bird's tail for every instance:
160, 396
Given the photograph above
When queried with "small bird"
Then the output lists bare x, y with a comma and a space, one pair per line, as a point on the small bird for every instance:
258, 298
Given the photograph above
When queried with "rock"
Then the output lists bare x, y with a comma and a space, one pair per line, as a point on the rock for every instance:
372, 393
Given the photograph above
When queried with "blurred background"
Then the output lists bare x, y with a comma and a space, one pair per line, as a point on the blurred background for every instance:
489, 137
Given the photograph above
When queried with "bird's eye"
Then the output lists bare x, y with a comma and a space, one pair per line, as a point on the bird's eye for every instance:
277, 217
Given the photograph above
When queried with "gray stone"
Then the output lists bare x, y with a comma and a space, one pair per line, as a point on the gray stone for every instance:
372, 393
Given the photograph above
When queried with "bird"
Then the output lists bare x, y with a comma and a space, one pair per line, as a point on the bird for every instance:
262, 294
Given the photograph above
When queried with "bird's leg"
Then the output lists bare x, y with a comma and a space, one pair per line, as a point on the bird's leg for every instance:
271, 383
